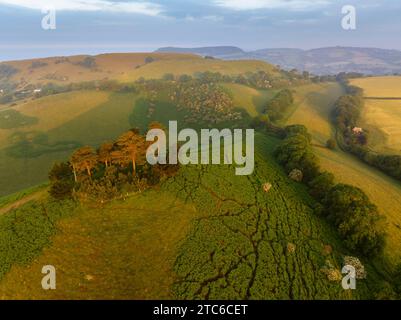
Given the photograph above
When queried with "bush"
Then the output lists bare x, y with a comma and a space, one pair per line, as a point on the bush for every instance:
149, 59
321, 185
331, 144
279, 104
61, 181
356, 219
295, 152
397, 279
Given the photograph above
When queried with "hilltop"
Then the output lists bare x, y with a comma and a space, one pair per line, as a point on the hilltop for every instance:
122, 67
320, 61
204, 231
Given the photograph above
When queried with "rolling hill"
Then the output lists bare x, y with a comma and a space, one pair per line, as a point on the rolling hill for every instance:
124, 67
58, 123
320, 61
203, 233
314, 112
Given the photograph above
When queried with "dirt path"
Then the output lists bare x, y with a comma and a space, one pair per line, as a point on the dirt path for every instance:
22, 201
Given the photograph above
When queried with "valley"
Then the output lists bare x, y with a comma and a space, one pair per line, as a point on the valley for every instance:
200, 232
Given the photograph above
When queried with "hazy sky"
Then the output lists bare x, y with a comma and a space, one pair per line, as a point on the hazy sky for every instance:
94, 26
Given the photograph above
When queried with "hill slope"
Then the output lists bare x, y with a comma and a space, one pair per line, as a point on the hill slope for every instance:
320, 61
384, 191
205, 234
124, 67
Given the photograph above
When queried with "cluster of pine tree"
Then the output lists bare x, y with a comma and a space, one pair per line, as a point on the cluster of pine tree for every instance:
113, 169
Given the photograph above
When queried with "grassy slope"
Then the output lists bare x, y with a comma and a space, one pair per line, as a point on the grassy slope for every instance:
124, 250
196, 237
84, 117
382, 190
382, 117
129, 66
90, 117
250, 99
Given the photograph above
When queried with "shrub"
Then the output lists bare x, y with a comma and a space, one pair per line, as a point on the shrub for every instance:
321, 185
356, 219
279, 104
149, 59
331, 144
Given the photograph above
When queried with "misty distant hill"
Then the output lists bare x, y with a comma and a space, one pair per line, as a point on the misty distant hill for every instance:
331, 60
221, 52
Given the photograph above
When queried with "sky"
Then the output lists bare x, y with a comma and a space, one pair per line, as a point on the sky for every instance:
98, 26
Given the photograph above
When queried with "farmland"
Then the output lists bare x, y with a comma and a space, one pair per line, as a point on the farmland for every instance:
382, 190
205, 233
124, 67
382, 113
252, 100
64, 121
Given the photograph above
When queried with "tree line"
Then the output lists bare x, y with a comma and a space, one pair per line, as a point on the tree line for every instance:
348, 208
276, 107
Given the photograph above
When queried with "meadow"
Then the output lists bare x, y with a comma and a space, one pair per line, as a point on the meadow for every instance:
65, 121
34, 133
126, 67
382, 116
381, 87
384, 191
250, 99
204, 233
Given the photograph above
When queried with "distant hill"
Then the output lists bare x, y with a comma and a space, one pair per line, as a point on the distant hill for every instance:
222, 52
331, 60
124, 67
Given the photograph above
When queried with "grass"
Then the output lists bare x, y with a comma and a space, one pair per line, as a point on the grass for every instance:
53, 111
382, 190
313, 107
237, 248
382, 118
205, 233
127, 67
10, 119
15, 197
380, 86
85, 118
124, 250
250, 99
194, 64
71, 119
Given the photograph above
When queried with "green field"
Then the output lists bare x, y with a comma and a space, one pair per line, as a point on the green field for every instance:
384, 191
206, 233
128, 67
65, 121
250, 99
382, 116
68, 120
